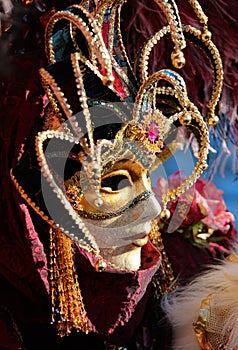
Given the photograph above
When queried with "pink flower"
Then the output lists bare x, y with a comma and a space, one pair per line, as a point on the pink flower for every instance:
203, 203
210, 198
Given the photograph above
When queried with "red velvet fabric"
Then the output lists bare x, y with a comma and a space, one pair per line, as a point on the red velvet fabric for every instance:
22, 260
114, 300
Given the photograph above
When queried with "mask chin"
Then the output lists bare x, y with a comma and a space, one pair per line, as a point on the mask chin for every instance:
123, 258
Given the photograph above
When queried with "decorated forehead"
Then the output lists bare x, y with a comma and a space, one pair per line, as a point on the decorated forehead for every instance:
102, 111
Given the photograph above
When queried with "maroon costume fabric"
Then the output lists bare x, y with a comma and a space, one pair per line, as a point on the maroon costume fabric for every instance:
24, 298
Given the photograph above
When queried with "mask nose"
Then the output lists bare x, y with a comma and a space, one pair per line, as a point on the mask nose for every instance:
152, 208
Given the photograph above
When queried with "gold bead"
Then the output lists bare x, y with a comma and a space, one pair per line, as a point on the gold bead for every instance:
165, 214
100, 265
213, 120
204, 166
27, 2
108, 80
185, 119
206, 35
98, 202
178, 59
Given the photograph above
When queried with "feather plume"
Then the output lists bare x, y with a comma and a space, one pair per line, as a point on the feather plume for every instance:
182, 307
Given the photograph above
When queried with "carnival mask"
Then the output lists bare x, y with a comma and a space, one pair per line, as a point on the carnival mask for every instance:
122, 224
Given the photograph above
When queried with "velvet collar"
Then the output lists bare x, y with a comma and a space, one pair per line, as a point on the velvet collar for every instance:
115, 300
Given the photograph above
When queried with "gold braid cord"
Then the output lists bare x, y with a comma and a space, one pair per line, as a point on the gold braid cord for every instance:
163, 280
68, 311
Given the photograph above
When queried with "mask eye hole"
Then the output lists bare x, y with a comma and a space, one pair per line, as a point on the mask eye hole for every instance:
115, 183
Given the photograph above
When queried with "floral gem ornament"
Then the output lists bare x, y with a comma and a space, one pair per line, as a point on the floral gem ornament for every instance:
151, 131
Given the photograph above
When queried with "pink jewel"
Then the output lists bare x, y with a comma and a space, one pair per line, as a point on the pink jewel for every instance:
153, 132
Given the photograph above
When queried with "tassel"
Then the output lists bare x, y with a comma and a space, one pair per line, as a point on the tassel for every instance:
68, 311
